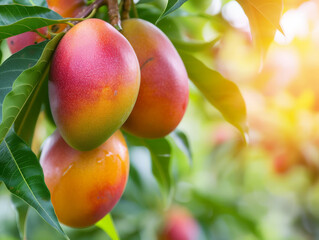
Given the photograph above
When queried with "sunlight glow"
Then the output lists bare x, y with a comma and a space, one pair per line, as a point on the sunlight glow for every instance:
236, 16
296, 23
215, 7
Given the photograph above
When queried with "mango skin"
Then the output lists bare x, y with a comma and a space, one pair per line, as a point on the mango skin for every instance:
84, 186
18, 42
164, 91
69, 8
93, 84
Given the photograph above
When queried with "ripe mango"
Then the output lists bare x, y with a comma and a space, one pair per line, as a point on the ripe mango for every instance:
84, 186
163, 95
93, 84
68, 8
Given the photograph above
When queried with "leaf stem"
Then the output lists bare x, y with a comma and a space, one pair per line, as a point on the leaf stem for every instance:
51, 33
92, 13
40, 34
87, 12
70, 24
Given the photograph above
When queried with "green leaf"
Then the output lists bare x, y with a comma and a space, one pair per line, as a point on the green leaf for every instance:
41, 3
0, 53
107, 225
224, 207
16, 19
220, 92
27, 85
25, 123
182, 143
191, 33
160, 151
148, 12
171, 6
145, 1
22, 212
15, 65
264, 18
5, 51
196, 6
23, 176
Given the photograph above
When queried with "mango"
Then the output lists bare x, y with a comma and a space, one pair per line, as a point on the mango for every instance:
67, 8
84, 186
18, 42
93, 84
179, 224
64, 8
163, 95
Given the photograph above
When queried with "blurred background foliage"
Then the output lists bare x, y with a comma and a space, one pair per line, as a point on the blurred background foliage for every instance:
268, 189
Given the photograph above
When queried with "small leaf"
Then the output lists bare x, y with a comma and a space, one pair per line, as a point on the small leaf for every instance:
42, 3
135, 177
16, 19
26, 85
182, 143
22, 174
171, 6
22, 212
160, 151
148, 12
107, 225
264, 18
220, 92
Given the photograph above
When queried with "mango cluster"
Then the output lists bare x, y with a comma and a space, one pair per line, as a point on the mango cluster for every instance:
101, 80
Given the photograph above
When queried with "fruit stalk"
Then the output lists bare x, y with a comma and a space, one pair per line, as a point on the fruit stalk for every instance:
87, 11
126, 9
114, 14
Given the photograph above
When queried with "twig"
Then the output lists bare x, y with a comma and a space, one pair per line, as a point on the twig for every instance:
40, 34
88, 10
114, 14
126, 9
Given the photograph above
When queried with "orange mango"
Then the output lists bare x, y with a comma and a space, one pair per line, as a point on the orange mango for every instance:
84, 186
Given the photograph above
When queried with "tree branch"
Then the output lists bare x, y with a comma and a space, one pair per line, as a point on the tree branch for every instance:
126, 9
114, 14
87, 10
113, 11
